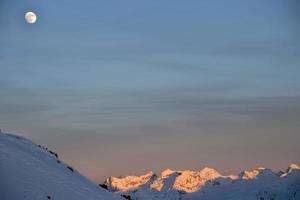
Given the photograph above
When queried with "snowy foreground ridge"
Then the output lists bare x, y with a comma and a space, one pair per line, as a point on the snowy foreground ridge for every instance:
30, 171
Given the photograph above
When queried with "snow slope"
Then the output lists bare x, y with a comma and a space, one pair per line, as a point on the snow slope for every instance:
208, 184
29, 171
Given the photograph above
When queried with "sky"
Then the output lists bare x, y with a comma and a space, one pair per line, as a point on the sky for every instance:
124, 87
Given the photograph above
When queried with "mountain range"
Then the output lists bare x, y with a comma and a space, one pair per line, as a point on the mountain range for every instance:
257, 184
33, 172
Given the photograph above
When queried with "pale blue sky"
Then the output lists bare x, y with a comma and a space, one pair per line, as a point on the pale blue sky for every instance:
179, 84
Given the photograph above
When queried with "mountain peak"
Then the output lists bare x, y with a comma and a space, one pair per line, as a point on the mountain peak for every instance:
293, 167
127, 183
255, 173
167, 172
209, 172
251, 174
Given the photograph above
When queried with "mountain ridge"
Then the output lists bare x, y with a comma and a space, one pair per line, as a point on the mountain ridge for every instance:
206, 174
33, 172
181, 184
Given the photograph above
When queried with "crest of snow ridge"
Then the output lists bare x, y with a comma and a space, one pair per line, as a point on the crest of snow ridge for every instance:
187, 181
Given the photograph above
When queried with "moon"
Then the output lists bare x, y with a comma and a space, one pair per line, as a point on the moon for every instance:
30, 17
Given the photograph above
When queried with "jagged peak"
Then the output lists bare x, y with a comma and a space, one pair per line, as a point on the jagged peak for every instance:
260, 168
149, 173
191, 181
126, 183
293, 167
253, 174
165, 180
207, 171
167, 172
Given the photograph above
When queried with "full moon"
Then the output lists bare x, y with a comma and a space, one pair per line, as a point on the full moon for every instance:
30, 17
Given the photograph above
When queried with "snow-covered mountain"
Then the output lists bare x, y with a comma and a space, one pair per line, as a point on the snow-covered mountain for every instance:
209, 184
32, 172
